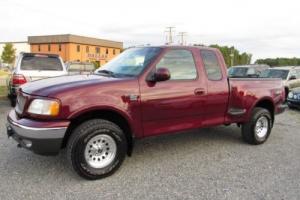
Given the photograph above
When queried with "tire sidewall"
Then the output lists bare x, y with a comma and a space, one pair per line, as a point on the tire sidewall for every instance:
79, 145
257, 115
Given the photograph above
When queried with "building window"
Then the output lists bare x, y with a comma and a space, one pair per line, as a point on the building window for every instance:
49, 47
59, 47
114, 51
39, 47
97, 50
87, 49
78, 48
106, 51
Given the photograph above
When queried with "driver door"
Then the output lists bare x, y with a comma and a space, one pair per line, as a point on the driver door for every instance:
175, 104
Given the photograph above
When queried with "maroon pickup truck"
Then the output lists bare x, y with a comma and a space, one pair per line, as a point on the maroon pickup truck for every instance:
143, 92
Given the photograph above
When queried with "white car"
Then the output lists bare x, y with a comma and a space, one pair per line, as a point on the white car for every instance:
290, 76
33, 66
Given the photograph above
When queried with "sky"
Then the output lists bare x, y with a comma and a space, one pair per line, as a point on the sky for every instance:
263, 28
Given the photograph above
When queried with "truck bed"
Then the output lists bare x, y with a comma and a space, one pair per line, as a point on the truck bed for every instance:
245, 93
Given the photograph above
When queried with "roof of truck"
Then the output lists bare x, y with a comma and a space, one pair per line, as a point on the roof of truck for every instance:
177, 46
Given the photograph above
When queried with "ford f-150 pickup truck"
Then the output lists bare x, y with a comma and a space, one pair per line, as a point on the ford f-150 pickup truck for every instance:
146, 91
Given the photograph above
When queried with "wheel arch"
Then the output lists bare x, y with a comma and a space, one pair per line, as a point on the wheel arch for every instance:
112, 115
266, 103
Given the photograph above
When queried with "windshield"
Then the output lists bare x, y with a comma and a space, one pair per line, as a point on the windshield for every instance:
237, 72
131, 62
275, 73
41, 63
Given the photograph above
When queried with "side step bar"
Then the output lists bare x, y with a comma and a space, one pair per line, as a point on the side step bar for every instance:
236, 111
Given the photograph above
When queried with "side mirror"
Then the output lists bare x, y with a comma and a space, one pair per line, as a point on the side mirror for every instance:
293, 77
161, 74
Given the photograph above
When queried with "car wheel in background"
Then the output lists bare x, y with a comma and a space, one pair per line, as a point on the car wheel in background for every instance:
12, 102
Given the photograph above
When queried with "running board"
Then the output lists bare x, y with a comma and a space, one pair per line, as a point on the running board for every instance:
236, 111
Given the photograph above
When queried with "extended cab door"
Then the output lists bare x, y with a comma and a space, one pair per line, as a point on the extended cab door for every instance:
217, 87
178, 103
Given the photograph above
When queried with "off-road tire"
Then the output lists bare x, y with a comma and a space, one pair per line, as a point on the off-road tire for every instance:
248, 129
80, 137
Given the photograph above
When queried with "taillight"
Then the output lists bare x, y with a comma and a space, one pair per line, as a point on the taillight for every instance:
18, 79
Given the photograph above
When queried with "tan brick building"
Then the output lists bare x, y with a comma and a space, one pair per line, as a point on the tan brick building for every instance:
76, 48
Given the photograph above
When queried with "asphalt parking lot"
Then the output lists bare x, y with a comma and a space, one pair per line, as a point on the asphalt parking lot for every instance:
209, 163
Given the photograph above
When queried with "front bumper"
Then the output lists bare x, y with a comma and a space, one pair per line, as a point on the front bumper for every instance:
43, 138
293, 103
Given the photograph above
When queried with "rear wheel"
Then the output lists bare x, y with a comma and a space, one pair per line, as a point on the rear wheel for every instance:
258, 129
96, 149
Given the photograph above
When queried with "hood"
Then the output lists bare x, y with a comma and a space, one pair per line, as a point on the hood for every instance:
45, 87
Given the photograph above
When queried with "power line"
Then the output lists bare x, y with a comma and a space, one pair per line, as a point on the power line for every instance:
182, 35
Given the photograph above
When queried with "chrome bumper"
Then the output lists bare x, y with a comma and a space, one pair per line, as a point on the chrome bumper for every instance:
37, 138
37, 133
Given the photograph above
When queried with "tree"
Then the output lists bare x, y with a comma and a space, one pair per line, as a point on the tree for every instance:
232, 56
8, 54
274, 62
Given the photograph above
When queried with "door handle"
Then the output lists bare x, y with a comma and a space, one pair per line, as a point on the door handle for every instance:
199, 91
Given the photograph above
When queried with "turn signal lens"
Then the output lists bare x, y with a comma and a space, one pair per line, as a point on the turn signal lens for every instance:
44, 107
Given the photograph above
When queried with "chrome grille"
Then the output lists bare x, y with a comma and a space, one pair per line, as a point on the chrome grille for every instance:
20, 104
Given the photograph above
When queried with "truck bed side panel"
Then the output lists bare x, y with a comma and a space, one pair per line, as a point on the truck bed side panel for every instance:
246, 93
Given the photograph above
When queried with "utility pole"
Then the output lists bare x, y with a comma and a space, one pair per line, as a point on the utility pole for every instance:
232, 56
169, 31
182, 35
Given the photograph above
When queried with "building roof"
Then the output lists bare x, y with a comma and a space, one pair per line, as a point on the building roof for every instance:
14, 42
69, 38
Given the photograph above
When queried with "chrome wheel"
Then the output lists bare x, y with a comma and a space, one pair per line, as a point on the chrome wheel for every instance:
100, 151
261, 127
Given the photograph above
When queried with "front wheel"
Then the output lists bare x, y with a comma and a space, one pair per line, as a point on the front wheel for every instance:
258, 129
96, 149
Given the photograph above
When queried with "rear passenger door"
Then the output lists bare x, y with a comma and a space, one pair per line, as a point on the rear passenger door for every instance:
217, 87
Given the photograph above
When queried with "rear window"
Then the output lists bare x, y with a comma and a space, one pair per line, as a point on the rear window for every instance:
275, 73
41, 63
81, 67
211, 65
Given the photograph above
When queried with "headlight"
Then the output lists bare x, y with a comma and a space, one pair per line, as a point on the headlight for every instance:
44, 107
290, 95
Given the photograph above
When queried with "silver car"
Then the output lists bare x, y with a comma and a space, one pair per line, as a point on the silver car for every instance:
290, 76
33, 66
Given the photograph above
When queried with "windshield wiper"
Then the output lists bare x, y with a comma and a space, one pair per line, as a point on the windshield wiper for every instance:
104, 71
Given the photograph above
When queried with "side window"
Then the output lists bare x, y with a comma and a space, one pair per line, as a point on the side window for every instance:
293, 73
298, 73
211, 65
180, 63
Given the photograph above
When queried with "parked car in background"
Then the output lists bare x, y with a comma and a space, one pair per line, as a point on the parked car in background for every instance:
246, 71
290, 76
30, 67
293, 99
80, 68
143, 92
